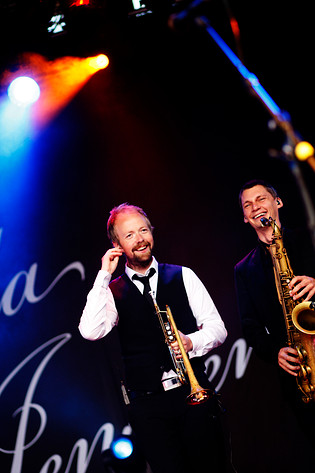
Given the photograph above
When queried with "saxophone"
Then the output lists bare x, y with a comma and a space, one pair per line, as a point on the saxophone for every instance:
299, 317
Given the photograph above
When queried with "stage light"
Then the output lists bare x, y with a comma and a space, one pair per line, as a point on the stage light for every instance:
122, 448
123, 456
138, 8
98, 62
60, 80
137, 4
23, 91
57, 24
79, 3
304, 150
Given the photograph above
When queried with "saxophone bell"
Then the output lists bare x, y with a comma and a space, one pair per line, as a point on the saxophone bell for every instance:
303, 317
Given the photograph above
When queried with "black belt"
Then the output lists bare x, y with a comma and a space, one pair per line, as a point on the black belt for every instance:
134, 394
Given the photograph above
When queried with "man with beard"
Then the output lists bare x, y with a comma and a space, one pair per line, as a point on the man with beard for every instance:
175, 437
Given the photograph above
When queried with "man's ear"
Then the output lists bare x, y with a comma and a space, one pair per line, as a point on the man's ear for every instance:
279, 203
245, 220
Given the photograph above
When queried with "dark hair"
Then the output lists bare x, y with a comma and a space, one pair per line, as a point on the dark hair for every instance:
113, 214
257, 182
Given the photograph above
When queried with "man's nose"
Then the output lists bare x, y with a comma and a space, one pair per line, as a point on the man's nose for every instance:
139, 236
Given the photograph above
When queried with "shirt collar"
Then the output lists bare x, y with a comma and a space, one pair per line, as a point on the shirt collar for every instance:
130, 272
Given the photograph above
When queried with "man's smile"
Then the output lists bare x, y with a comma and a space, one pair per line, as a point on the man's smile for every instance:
142, 248
261, 214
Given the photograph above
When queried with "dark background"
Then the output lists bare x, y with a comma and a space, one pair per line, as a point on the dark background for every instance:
169, 126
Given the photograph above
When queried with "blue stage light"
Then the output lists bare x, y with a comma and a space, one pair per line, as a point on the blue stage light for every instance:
124, 456
23, 91
122, 448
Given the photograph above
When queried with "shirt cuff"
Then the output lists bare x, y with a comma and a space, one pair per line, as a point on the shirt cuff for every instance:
102, 279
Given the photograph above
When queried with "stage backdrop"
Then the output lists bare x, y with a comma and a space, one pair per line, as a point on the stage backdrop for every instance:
168, 126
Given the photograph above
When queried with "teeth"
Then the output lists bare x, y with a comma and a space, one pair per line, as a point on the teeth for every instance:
260, 215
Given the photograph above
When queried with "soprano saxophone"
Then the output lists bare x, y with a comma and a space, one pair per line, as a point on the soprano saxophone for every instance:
299, 317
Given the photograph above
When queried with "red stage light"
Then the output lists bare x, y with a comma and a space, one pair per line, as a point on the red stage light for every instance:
79, 3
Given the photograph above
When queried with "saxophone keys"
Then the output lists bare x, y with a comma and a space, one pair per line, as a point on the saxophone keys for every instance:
302, 353
305, 371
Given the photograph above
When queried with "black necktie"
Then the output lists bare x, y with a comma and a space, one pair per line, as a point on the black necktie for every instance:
146, 284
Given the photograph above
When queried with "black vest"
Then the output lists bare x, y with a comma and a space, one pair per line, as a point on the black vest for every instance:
144, 350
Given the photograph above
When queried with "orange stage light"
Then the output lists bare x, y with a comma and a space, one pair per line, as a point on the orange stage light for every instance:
59, 80
304, 150
98, 62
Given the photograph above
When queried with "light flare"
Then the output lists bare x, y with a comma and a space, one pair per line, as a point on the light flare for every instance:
99, 62
304, 150
59, 81
23, 91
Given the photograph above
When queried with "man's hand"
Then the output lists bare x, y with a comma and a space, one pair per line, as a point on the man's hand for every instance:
288, 360
187, 343
110, 259
302, 286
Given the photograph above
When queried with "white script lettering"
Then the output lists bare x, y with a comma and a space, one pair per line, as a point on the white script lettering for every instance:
29, 287
81, 448
28, 405
241, 361
84, 453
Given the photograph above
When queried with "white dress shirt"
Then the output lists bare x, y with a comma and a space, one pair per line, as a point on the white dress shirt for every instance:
100, 314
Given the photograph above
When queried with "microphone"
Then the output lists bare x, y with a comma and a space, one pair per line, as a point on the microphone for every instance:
265, 222
182, 19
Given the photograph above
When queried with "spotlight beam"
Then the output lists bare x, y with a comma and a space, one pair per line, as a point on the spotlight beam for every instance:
59, 81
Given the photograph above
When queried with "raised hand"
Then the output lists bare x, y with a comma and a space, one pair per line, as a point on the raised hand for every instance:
110, 259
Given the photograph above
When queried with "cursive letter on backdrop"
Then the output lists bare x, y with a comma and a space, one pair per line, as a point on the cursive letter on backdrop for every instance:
20, 446
84, 453
241, 362
28, 293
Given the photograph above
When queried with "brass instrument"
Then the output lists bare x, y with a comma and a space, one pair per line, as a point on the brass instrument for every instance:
182, 365
299, 317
